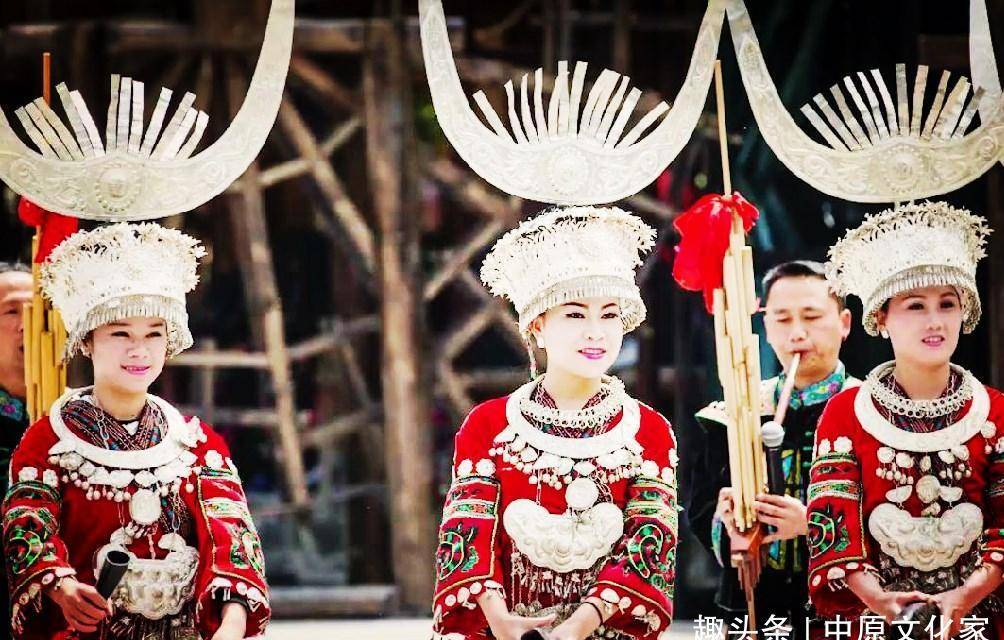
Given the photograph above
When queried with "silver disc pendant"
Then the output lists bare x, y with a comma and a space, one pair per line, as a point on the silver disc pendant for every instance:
144, 508
581, 494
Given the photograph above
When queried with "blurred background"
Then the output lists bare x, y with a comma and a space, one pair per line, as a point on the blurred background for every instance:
340, 321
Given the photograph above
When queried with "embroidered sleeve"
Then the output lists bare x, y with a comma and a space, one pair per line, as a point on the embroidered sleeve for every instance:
836, 539
36, 555
231, 562
992, 541
637, 580
468, 558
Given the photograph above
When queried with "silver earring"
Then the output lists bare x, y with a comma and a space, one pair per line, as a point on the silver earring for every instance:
532, 356
884, 333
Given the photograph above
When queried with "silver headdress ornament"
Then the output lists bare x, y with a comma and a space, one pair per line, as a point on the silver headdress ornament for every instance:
122, 271
982, 59
888, 151
910, 247
137, 172
575, 150
584, 148
568, 254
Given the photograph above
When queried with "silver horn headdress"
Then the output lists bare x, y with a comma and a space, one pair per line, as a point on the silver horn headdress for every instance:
890, 150
578, 152
137, 172
574, 150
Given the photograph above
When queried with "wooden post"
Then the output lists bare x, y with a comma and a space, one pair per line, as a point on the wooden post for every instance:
251, 237
393, 183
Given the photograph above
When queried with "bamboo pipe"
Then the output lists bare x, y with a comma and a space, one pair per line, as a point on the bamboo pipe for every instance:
739, 353
789, 384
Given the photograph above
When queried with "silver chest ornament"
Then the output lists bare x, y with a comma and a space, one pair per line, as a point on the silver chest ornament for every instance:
568, 541
144, 507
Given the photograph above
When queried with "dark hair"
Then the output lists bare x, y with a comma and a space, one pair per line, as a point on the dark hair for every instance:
797, 269
13, 267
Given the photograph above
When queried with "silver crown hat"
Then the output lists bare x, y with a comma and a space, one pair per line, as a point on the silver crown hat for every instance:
567, 254
910, 247
123, 271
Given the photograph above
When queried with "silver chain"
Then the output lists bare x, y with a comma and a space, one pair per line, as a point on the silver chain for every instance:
910, 408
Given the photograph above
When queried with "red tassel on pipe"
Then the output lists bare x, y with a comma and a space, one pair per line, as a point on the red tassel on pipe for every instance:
54, 227
704, 239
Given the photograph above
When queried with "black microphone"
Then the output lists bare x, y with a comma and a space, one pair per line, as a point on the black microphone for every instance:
112, 570
772, 435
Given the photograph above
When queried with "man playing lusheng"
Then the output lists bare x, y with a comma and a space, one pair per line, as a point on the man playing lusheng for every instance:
801, 315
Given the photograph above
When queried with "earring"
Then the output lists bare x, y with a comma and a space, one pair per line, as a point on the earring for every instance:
532, 356
884, 333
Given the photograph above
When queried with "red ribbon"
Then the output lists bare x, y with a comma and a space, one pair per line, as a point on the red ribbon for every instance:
704, 238
54, 227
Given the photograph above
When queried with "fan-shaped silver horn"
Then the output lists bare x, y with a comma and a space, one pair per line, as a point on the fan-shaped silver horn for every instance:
898, 156
575, 151
137, 175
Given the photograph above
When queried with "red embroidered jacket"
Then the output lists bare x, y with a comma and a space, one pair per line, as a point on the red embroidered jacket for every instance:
928, 501
476, 552
52, 530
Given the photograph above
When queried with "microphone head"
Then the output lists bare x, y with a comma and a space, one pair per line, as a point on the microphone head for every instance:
772, 434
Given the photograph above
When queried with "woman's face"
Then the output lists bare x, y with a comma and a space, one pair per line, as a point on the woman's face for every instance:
924, 325
582, 337
129, 354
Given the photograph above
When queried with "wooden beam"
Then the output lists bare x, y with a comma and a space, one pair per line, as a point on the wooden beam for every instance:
325, 36
338, 336
393, 185
451, 386
502, 310
336, 199
493, 37
473, 192
251, 234
460, 257
329, 434
357, 379
463, 335
322, 84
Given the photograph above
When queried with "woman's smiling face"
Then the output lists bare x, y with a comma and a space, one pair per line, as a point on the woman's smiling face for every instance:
582, 337
923, 325
129, 354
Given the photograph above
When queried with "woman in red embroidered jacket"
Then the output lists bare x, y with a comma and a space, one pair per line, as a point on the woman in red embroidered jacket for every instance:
562, 514
115, 469
906, 502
